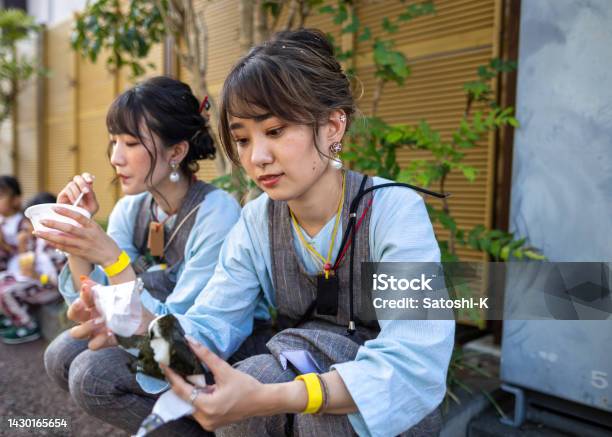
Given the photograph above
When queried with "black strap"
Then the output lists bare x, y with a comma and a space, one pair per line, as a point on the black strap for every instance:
348, 227
351, 228
352, 231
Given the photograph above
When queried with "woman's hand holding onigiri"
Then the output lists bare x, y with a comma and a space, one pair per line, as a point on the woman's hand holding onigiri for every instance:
235, 395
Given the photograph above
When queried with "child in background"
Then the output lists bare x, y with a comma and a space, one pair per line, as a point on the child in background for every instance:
35, 283
12, 222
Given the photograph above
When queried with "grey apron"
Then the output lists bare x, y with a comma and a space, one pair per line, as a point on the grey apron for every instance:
160, 283
325, 337
296, 290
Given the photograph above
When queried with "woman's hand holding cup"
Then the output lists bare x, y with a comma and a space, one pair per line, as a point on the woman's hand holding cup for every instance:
86, 239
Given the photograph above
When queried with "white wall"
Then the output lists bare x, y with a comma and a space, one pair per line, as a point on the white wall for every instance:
562, 167
562, 188
52, 12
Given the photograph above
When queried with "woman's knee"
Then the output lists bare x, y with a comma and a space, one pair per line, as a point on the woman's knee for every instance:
260, 426
266, 369
98, 378
59, 355
102, 384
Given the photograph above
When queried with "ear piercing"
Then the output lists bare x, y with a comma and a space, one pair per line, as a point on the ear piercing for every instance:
335, 149
343, 118
174, 175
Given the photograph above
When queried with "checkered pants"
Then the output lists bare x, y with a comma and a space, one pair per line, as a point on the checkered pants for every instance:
327, 348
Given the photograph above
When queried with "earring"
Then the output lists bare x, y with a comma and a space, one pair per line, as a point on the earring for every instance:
343, 118
174, 175
335, 149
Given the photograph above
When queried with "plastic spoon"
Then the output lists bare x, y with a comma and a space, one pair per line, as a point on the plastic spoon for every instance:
78, 199
76, 203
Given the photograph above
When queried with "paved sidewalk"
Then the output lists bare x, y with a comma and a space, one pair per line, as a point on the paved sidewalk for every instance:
26, 390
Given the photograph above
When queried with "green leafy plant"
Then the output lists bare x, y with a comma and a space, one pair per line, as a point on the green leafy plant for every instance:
237, 183
15, 70
125, 33
373, 144
462, 363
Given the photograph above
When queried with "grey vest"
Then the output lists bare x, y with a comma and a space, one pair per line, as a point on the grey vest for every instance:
160, 283
324, 336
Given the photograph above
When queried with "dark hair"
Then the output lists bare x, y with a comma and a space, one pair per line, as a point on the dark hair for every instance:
293, 76
10, 185
37, 199
167, 108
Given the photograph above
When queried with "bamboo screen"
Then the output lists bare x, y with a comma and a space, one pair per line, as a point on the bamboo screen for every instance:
444, 51
60, 133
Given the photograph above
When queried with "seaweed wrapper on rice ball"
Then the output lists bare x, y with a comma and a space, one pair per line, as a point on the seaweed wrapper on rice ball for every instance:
166, 344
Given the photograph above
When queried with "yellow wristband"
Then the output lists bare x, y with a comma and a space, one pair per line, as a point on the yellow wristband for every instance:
118, 266
315, 392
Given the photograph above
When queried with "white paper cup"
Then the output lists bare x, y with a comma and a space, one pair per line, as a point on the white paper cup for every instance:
44, 211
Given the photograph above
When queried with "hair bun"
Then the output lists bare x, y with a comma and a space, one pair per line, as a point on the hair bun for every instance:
168, 109
201, 146
311, 39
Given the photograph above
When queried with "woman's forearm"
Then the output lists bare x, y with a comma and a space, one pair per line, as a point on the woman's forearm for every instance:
292, 397
81, 267
126, 275
340, 400
282, 398
78, 267
112, 256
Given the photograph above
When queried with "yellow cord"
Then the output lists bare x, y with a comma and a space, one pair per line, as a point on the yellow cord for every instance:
311, 249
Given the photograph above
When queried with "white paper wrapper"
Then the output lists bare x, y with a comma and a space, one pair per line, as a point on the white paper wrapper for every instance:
120, 306
169, 407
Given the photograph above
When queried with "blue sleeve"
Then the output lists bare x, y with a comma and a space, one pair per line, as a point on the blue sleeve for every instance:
66, 287
399, 377
222, 316
121, 229
216, 217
